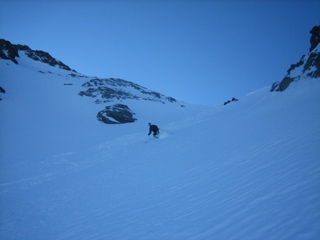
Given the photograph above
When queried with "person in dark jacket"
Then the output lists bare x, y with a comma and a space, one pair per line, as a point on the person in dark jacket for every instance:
154, 129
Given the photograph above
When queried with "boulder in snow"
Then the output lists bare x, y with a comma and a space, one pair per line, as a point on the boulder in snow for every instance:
116, 114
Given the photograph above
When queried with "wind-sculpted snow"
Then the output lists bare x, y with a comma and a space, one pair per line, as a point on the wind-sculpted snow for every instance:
248, 170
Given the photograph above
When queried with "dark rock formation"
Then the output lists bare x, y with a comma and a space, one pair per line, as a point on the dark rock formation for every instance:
2, 91
308, 66
232, 100
46, 58
104, 91
8, 51
110, 89
315, 38
11, 51
116, 114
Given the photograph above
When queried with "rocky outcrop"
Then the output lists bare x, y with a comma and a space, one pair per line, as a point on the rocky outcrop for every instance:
11, 52
8, 51
116, 114
307, 67
315, 38
2, 91
112, 92
45, 57
232, 100
110, 89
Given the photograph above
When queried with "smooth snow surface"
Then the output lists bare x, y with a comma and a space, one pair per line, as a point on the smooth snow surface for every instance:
247, 170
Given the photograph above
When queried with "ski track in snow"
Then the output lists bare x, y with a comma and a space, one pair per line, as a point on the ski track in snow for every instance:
247, 170
194, 200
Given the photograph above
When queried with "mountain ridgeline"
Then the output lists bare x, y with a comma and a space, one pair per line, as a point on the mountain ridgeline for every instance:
10, 51
115, 93
307, 67
110, 92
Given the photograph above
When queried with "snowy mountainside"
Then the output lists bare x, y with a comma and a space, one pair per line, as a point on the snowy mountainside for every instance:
246, 170
45, 106
109, 92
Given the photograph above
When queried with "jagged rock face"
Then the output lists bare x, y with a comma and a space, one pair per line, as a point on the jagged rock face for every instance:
116, 114
315, 38
8, 51
308, 66
110, 89
11, 51
46, 58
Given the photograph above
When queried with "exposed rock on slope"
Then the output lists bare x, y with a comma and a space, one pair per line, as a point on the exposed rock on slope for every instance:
110, 89
11, 52
115, 114
8, 51
111, 92
2, 91
308, 66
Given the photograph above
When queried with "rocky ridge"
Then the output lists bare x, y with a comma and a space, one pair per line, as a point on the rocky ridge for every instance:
108, 89
10, 51
110, 92
308, 66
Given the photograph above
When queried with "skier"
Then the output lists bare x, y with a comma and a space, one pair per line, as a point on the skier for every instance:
154, 129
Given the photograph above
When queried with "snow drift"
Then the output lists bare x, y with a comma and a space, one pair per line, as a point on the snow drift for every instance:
247, 170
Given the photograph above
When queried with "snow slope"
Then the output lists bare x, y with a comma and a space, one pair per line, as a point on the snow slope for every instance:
247, 170
45, 117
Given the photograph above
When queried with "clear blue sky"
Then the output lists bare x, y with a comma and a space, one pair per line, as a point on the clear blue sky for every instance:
201, 51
